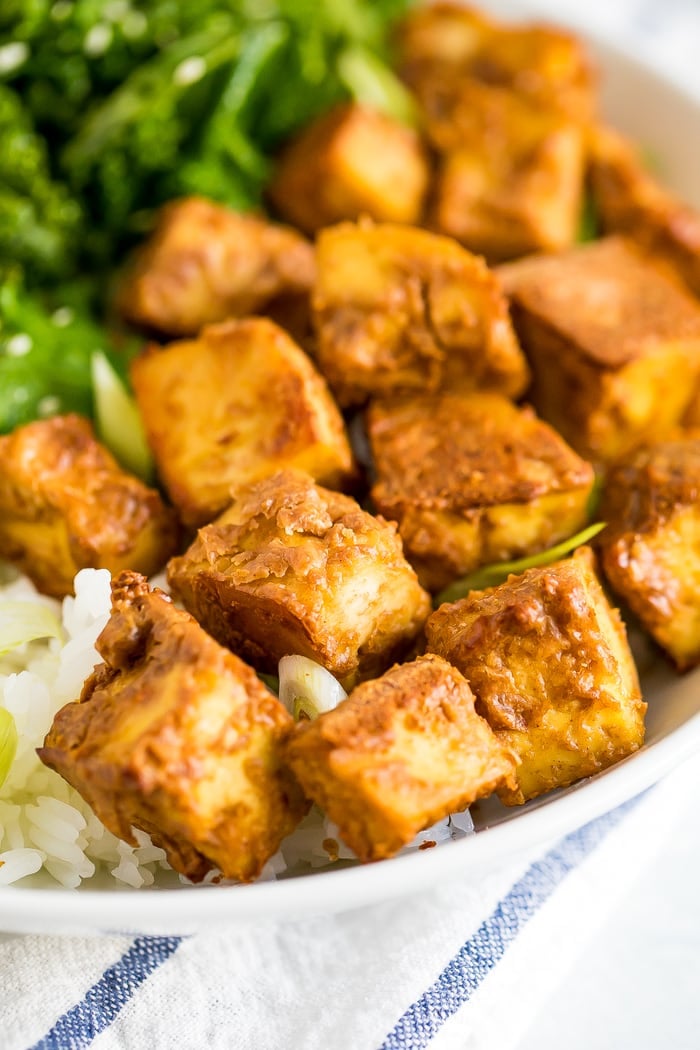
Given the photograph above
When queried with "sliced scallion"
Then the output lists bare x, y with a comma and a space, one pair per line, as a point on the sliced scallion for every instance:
307, 689
492, 575
22, 622
118, 421
8, 743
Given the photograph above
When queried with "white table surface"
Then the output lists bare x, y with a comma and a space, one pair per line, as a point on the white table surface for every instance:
637, 985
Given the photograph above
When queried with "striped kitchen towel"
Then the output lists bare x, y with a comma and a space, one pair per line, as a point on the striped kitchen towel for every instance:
465, 967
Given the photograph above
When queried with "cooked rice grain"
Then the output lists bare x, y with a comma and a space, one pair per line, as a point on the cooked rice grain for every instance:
44, 823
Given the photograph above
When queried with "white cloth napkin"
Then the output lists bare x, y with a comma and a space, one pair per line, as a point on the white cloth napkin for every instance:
466, 967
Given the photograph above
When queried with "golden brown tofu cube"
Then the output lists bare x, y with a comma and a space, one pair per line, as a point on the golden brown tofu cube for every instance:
650, 551
66, 505
239, 402
205, 263
178, 737
629, 200
454, 42
510, 176
351, 161
473, 480
401, 753
294, 568
397, 309
614, 344
548, 661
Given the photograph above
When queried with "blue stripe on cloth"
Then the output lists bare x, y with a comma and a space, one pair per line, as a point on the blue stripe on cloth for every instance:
78, 1027
479, 955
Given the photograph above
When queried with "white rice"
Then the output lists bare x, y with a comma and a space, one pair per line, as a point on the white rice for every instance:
45, 824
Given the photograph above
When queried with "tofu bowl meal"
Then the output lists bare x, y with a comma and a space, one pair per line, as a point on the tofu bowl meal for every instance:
349, 455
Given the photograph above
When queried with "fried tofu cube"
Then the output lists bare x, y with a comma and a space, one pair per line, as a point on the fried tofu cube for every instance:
237, 403
510, 173
291, 568
548, 660
351, 161
397, 309
401, 753
473, 480
629, 200
66, 505
178, 737
614, 344
205, 263
650, 551
453, 42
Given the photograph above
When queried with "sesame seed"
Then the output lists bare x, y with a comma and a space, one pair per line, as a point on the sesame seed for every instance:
115, 10
98, 39
19, 345
190, 70
49, 405
13, 55
134, 25
61, 9
63, 316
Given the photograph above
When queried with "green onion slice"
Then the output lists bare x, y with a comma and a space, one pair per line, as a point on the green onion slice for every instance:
307, 689
118, 421
372, 83
589, 221
8, 743
492, 575
22, 622
271, 681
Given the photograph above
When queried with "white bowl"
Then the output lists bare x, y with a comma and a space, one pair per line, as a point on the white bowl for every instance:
667, 121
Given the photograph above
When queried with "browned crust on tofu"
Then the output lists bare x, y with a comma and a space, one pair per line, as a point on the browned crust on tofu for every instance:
399, 310
629, 200
175, 735
536, 60
646, 488
473, 480
614, 343
509, 180
458, 453
548, 661
205, 263
66, 505
610, 304
650, 551
400, 753
234, 405
349, 162
295, 568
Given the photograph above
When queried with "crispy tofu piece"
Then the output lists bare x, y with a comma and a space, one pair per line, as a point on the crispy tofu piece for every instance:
548, 661
205, 263
630, 201
454, 42
650, 551
351, 161
510, 173
401, 753
294, 568
66, 505
473, 480
614, 344
239, 402
178, 737
397, 309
